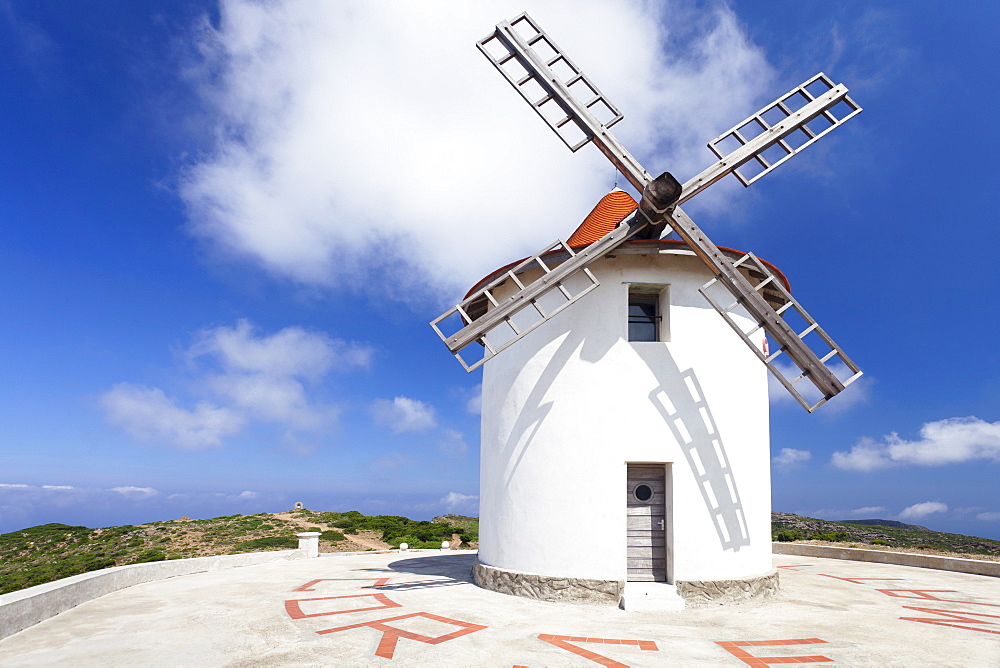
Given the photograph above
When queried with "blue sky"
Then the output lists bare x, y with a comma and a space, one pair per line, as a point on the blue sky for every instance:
225, 227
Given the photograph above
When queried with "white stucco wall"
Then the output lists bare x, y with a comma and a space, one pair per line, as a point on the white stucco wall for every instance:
568, 406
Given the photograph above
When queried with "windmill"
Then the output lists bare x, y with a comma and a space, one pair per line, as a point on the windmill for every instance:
521, 467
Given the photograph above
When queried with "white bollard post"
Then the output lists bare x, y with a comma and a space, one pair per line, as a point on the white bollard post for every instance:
403, 547
309, 543
445, 545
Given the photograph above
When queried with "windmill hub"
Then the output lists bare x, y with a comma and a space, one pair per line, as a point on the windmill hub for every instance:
659, 196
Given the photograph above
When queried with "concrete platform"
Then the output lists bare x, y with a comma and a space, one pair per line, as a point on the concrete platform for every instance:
421, 609
651, 597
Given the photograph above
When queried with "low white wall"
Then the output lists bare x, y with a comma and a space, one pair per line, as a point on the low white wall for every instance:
974, 566
27, 607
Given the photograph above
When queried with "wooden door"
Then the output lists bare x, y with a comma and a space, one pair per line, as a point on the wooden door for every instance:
646, 509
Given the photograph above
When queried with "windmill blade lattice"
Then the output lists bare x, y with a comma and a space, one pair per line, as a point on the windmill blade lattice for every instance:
529, 60
551, 290
789, 124
526, 56
544, 87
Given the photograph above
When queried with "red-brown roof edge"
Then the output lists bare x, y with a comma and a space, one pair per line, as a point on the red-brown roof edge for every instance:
678, 242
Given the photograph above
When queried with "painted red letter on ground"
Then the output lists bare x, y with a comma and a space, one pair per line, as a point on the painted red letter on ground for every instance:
391, 634
733, 647
563, 642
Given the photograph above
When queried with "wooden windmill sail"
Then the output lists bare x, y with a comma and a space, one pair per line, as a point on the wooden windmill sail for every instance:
579, 114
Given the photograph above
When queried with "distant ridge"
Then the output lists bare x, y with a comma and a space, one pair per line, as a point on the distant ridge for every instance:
786, 527
885, 523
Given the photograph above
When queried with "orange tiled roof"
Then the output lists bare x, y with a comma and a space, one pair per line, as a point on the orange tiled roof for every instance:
605, 217
609, 212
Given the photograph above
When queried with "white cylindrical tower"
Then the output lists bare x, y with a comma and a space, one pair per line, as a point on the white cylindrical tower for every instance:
626, 440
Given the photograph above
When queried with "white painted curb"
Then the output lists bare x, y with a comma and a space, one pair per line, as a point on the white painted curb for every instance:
973, 566
27, 607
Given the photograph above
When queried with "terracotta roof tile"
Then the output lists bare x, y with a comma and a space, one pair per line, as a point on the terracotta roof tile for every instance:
611, 210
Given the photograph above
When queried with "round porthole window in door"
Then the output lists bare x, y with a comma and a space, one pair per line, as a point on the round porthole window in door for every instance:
643, 492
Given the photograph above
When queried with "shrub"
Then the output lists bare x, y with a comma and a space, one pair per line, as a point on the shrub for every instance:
150, 555
879, 541
787, 536
414, 543
837, 537
332, 536
270, 542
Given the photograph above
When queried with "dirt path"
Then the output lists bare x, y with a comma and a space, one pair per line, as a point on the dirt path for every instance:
366, 540
305, 524
367, 543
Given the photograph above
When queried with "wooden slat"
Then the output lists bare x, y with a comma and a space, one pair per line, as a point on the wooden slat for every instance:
646, 541
645, 538
655, 505
643, 522
649, 478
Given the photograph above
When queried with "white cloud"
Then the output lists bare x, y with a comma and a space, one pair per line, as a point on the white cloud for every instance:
354, 142
866, 512
249, 377
269, 398
866, 455
147, 414
263, 375
135, 492
790, 458
474, 404
988, 517
404, 414
291, 352
24, 505
918, 510
452, 442
456, 502
949, 441
215, 498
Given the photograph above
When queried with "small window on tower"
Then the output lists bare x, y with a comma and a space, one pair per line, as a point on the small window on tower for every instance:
645, 320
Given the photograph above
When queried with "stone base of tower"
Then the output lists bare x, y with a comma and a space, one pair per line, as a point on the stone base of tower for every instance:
610, 592
547, 588
701, 592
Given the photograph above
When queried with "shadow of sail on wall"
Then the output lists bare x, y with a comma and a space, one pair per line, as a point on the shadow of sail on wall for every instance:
689, 417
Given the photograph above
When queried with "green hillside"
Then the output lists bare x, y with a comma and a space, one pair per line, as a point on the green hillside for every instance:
52, 551
786, 527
